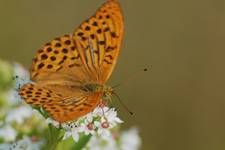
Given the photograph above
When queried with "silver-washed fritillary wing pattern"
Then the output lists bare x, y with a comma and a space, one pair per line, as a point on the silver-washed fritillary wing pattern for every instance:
63, 66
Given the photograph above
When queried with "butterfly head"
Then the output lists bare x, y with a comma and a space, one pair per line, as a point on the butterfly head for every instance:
106, 90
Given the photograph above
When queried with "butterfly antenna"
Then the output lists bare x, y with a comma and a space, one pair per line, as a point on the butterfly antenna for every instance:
131, 77
127, 109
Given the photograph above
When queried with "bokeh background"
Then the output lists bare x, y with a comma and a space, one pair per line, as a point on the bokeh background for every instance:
179, 104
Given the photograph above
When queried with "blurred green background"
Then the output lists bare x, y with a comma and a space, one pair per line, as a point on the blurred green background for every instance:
179, 104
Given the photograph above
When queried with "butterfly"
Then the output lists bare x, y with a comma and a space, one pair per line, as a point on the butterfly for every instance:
69, 73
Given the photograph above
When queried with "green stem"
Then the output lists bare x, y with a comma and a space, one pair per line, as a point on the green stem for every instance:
81, 143
53, 138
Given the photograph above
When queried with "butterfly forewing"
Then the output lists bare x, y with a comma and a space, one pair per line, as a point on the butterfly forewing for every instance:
99, 39
57, 60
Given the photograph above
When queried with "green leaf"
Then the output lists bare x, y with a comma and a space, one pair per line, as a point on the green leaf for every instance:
69, 144
66, 144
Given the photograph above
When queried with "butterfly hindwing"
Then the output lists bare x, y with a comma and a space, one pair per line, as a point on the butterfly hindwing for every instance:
34, 95
74, 108
61, 106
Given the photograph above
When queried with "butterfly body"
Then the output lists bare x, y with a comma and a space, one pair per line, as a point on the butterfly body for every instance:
95, 87
70, 72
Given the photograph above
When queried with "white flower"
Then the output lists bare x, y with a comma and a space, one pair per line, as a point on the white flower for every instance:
99, 111
19, 70
99, 143
72, 129
102, 119
111, 118
53, 122
8, 133
87, 126
13, 97
74, 133
108, 121
21, 75
4, 146
26, 144
103, 131
19, 114
130, 140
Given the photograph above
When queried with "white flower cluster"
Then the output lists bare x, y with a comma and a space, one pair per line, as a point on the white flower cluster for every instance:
130, 139
99, 122
8, 133
127, 140
24, 144
21, 77
14, 115
19, 114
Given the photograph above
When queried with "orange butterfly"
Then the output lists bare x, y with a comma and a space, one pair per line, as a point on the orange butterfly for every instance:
70, 72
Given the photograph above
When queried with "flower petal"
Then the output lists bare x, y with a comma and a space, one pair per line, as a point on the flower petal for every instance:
75, 136
67, 135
